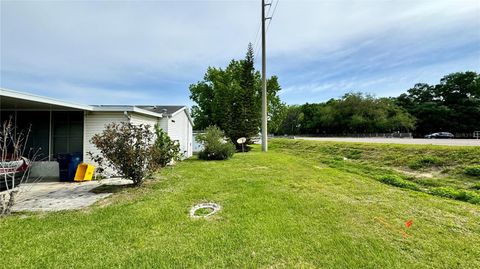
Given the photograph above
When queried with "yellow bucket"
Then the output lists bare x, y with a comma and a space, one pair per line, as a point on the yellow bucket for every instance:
84, 172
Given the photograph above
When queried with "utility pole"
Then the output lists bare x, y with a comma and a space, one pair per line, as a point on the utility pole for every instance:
264, 82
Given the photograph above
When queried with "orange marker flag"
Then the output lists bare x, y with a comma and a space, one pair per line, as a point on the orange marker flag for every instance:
409, 223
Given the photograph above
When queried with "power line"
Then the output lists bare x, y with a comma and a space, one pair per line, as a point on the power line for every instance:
256, 40
273, 13
269, 17
257, 47
256, 44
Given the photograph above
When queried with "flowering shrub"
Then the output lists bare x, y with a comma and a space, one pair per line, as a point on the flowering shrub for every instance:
128, 149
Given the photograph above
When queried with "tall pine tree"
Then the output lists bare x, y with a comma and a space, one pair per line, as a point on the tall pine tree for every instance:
231, 98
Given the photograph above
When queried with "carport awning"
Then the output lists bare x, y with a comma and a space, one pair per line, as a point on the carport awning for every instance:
54, 126
13, 100
19, 101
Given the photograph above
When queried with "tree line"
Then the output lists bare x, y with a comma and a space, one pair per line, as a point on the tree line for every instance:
452, 105
353, 113
230, 98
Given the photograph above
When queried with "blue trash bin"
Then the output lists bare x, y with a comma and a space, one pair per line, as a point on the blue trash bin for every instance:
63, 160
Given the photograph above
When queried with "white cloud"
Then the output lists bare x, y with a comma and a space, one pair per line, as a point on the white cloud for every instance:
123, 43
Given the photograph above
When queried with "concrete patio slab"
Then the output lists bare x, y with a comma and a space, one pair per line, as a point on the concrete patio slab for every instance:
57, 196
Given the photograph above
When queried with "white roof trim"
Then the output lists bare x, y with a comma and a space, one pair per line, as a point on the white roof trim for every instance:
126, 108
99, 108
147, 112
41, 99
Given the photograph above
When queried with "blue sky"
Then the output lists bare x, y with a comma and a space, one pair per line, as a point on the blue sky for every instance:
149, 52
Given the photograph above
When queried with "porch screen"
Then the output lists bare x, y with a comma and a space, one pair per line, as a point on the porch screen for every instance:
67, 129
39, 121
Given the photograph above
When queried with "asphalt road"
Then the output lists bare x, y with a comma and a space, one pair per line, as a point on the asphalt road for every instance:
411, 141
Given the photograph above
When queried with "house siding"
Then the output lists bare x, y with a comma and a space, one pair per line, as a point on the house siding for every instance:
164, 123
181, 129
138, 119
94, 123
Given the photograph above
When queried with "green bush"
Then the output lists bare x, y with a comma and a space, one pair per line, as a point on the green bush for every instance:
214, 145
476, 186
165, 149
399, 182
472, 170
425, 161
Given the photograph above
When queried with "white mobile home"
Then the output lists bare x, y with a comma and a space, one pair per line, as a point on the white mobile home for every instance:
59, 127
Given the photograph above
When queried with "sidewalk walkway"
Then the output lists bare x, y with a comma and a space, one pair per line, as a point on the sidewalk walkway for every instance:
56, 196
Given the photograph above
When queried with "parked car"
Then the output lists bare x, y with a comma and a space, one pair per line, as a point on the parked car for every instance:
440, 135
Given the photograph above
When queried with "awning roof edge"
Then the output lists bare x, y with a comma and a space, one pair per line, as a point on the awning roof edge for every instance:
42, 99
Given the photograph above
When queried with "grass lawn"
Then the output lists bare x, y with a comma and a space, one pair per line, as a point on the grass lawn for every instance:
446, 171
296, 206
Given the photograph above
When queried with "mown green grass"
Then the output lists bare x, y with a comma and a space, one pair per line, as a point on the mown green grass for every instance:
439, 170
281, 209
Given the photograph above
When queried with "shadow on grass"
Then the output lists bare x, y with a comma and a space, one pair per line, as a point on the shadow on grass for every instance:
112, 188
